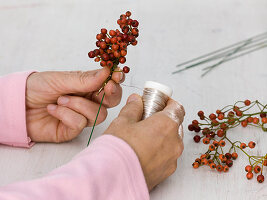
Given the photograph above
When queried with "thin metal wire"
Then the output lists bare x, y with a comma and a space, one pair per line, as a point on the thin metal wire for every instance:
96, 119
227, 53
154, 101
254, 38
132, 86
233, 57
213, 58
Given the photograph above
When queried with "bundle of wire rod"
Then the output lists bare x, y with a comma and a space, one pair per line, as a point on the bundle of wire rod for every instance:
225, 54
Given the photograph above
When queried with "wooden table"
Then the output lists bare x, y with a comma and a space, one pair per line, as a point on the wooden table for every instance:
56, 35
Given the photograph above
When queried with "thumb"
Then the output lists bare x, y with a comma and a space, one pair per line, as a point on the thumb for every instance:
175, 111
78, 81
133, 110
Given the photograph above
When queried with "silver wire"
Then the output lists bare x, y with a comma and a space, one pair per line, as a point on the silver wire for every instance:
154, 101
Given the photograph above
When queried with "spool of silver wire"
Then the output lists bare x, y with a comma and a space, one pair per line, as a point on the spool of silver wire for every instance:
155, 97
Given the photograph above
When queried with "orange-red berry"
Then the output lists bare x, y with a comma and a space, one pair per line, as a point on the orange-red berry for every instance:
257, 169
206, 140
243, 145
122, 60
195, 165
219, 168
248, 168
221, 116
112, 33
224, 160
250, 119
222, 143
212, 116
249, 175
216, 143
231, 114
212, 147
91, 54
220, 133
239, 113
225, 168
104, 31
204, 161
200, 113
103, 45
221, 156
115, 47
126, 70
228, 155
196, 138
212, 165
99, 36
195, 122
218, 111
251, 144
234, 155
128, 13
247, 102
223, 126
244, 123
110, 64
203, 156
260, 178
123, 53
210, 161
103, 63
264, 120
229, 163
255, 120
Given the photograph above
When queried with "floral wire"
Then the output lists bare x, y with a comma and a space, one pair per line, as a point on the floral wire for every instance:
96, 118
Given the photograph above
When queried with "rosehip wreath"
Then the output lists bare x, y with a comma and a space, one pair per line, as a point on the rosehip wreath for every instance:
214, 131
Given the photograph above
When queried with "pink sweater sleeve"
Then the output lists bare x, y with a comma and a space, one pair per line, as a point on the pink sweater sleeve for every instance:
107, 169
12, 110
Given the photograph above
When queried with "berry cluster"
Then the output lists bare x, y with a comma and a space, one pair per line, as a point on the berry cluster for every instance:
214, 131
112, 45
112, 49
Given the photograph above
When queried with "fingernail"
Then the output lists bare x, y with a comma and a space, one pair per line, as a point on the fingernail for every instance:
63, 100
52, 107
132, 98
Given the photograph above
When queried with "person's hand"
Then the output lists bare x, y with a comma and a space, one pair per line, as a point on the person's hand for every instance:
155, 140
59, 105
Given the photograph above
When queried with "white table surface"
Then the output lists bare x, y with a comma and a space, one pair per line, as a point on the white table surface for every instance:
56, 35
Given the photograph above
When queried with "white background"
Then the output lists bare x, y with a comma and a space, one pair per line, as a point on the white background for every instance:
56, 35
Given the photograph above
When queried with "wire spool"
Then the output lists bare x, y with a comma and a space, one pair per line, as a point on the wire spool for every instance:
155, 97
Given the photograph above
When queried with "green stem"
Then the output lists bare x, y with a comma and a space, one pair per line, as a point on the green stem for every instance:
96, 118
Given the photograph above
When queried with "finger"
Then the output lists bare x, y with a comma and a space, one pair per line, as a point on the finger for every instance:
133, 110
175, 111
85, 107
68, 117
113, 93
78, 81
181, 131
118, 76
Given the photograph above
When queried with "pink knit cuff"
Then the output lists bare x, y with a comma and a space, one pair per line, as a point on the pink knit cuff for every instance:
13, 129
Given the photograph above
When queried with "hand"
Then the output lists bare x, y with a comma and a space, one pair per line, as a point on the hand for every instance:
155, 140
59, 105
